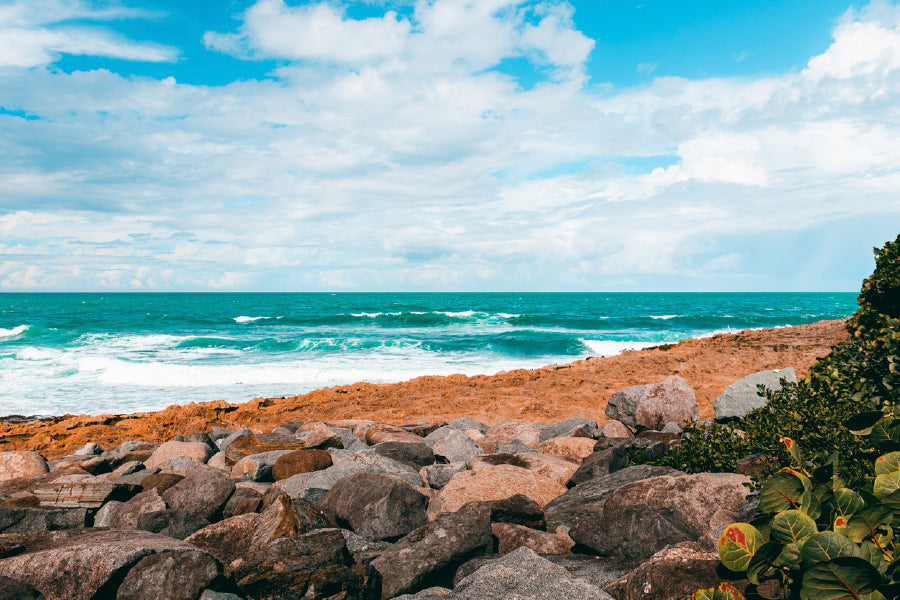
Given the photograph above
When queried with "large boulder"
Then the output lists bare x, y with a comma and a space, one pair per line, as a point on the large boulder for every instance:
652, 406
20, 463
508, 431
81, 491
455, 446
430, 555
414, 454
376, 506
248, 445
97, 559
381, 433
574, 448
742, 396
635, 532
315, 566
300, 461
595, 570
494, 483
227, 540
126, 514
203, 491
599, 463
19, 520
557, 468
522, 575
194, 450
285, 517
317, 484
173, 522
174, 575
257, 467
13, 589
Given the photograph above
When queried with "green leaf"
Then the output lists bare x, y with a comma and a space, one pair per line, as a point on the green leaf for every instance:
886, 484
810, 505
840, 579
826, 546
858, 423
790, 556
886, 434
765, 559
791, 526
865, 523
781, 491
793, 449
888, 463
725, 591
847, 502
873, 555
738, 544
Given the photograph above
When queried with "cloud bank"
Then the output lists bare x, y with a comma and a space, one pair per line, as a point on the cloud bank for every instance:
401, 152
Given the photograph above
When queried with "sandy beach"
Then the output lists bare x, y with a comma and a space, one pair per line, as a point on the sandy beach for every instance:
549, 394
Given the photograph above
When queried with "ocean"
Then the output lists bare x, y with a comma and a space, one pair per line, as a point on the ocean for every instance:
122, 353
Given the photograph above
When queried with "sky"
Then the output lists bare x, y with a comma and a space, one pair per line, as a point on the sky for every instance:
432, 145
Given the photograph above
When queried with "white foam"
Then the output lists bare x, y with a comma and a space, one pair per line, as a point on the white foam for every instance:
31, 353
508, 315
464, 313
615, 347
9, 333
663, 317
243, 319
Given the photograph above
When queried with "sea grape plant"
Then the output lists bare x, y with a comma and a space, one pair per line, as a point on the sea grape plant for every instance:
818, 537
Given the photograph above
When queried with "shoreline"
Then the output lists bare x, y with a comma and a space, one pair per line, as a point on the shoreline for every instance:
547, 394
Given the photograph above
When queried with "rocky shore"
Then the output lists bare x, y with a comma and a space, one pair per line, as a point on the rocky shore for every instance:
359, 509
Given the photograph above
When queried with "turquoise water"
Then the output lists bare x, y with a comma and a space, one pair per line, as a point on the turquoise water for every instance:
120, 353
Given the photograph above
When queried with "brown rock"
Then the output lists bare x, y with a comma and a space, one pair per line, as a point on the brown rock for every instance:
493, 483
227, 540
194, 450
242, 501
13, 589
300, 461
251, 444
574, 448
508, 431
125, 515
176, 575
509, 537
553, 467
16, 464
615, 429
160, 481
322, 437
381, 433
203, 491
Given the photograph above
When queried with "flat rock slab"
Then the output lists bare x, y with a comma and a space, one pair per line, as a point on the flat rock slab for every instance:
21, 520
88, 493
95, 558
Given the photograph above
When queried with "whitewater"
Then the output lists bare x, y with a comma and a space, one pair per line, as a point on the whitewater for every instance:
122, 353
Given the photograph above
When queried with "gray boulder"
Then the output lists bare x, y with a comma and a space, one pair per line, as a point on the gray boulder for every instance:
317, 485
521, 574
573, 427
653, 405
175, 575
742, 396
173, 522
454, 446
599, 463
203, 491
15, 519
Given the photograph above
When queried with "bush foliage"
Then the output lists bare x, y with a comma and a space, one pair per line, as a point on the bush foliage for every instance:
862, 374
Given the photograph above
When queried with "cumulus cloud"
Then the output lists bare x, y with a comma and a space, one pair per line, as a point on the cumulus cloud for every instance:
397, 152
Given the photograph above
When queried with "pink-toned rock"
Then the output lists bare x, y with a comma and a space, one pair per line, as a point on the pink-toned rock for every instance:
21, 463
574, 448
553, 467
228, 540
389, 433
509, 431
194, 450
125, 515
79, 491
322, 437
698, 497
652, 406
493, 483
510, 536
615, 429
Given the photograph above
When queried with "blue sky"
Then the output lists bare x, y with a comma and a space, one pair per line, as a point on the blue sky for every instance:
447, 145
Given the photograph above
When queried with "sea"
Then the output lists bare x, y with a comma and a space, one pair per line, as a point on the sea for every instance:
122, 353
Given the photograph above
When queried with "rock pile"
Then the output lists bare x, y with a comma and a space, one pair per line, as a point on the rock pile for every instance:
362, 510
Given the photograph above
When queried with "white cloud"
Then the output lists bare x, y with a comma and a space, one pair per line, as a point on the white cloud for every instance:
35, 33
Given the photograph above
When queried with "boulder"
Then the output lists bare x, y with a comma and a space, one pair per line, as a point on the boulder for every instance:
194, 450
438, 475
552, 467
242, 501
180, 465
173, 522
414, 454
175, 575
89, 449
126, 514
466, 423
742, 396
515, 447
316, 566
257, 467
227, 540
13, 589
522, 575
285, 517
573, 427
160, 481
229, 436
507, 431
318, 484
249, 445
86, 492
584, 502
376, 506
19, 463
103, 518
652, 406
634, 532
97, 559
21, 520
323, 437
430, 555
494, 483
389, 433
673, 573
517, 509
300, 461
455, 446
510, 536
202, 491
595, 570
613, 429
573, 448
599, 463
